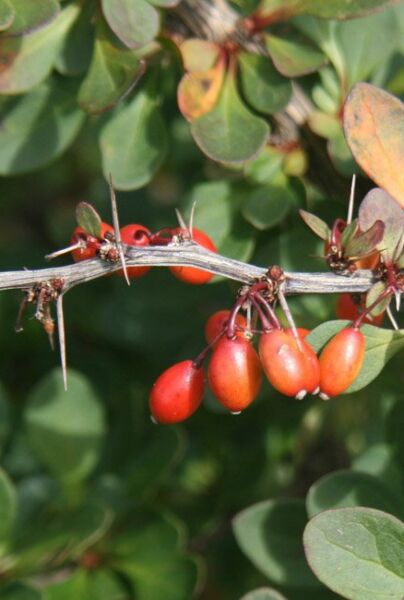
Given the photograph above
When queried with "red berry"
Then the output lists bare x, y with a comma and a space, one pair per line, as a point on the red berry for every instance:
340, 362
217, 322
301, 331
292, 369
135, 235
235, 373
347, 308
177, 393
190, 274
92, 243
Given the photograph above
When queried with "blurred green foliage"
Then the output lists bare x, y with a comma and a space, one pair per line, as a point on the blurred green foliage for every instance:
95, 500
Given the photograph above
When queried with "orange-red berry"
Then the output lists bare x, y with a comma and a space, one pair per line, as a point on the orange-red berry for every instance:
235, 373
217, 322
177, 393
291, 368
91, 243
135, 235
340, 362
191, 274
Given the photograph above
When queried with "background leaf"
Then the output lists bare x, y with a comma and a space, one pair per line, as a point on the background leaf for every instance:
264, 89
135, 24
29, 16
65, 428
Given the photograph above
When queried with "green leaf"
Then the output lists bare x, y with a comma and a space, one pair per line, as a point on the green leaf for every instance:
19, 591
65, 428
230, 132
88, 219
357, 552
7, 15
113, 72
347, 488
264, 89
75, 53
29, 59
364, 242
30, 16
372, 296
378, 205
164, 3
323, 124
134, 142
268, 205
199, 55
5, 418
380, 460
134, 23
38, 127
381, 345
317, 225
148, 553
332, 9
270, 535
263, 594
100, 584
8, 509
293, 57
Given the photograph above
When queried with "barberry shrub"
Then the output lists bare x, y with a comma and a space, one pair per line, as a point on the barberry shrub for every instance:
251, 117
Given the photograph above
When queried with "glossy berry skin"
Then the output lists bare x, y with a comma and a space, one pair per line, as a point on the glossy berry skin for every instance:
177, 393
235, 373
301, 331
217, 322
92, 243
291, 369
340, 362
347, 308
190, 274
135, 235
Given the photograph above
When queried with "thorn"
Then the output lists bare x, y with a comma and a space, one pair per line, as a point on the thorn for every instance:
18, 323
351, 200
288, 315
324, 396
117, 232
397, 295
191, 219
392, 319
62, 338
180, 219
66, 250
300, 395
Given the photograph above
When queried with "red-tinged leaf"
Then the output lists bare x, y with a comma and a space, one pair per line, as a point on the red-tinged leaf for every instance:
364, 242
379, 205
317, 225
374, 128
349, 232
199, 55
88, 219
198, 91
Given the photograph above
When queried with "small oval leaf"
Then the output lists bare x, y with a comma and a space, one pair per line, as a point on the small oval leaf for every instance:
134, 23
88, 219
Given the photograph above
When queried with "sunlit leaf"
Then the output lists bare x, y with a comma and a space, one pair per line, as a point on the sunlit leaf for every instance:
113, 72
134, 23
317, 225
88, 219
230, 132
27, 60
374, 128
263, 87
134, 142
199, 55
292, 56
332, 9
357, 552
30, 16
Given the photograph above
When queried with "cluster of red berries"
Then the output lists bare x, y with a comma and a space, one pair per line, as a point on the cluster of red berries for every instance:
235, 369
87, 246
